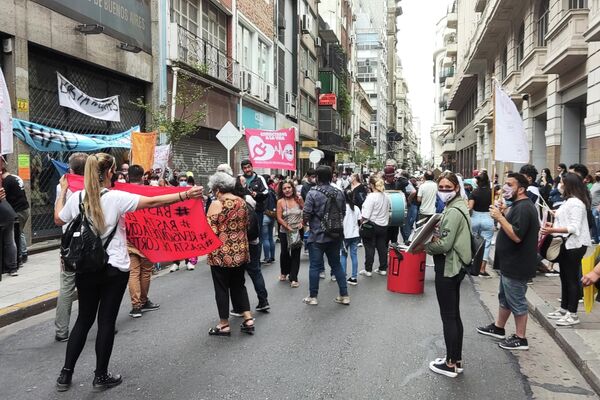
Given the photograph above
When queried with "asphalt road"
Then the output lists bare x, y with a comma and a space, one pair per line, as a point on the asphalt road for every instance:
377, 348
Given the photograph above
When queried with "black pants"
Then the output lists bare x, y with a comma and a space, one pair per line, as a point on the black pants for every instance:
448, 295
99, 293
230, 281
255, 273
289, 261
379, 242
392, 232
570, 271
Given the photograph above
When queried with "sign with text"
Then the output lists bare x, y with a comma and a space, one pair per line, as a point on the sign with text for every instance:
272, 149
328, 99
167, 233
6, 137
23, 161
161, 156
127, 20
70, 96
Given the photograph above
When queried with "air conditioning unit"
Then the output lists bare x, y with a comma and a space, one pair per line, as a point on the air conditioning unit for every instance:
305, 24
318, 41
318, 84
246, 81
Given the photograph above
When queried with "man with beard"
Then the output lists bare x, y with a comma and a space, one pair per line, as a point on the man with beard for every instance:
516, 257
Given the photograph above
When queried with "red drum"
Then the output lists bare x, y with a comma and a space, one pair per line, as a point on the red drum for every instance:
406, 272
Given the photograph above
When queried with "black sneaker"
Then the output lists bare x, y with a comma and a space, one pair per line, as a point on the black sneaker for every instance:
263, 307
63, 383
493, 331
484, 274
150, 306
443, 369
514, 343
234, 313
61, 338
352, 281
135, 313
106, 381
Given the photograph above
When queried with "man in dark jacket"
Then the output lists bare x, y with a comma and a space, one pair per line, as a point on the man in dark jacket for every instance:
311, 177
7, 241
16, 197
258, 188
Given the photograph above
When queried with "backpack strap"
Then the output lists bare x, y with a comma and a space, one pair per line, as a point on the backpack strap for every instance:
329, 195
82, 212
470, 232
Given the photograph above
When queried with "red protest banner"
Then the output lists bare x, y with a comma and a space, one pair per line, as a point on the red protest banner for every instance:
167, 233
272, 149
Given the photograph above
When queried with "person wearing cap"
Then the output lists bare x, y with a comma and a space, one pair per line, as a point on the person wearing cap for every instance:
258, 188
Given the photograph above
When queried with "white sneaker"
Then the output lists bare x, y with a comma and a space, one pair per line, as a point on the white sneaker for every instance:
381, 272
333, 278
322, 275
365, 273
190, 266
174, 268
311, 301
557, 314
568, 320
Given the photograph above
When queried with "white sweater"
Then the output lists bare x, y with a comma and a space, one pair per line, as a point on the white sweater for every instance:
572, 215
376, 208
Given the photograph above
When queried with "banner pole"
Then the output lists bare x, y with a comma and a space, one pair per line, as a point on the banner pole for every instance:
493, 144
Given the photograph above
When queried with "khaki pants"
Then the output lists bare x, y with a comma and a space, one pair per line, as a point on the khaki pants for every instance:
139, 280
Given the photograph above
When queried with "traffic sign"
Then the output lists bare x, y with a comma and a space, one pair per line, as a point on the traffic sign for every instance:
315, 156
229, 135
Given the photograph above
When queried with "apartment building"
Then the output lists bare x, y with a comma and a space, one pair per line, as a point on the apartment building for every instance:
393, 136
544, 54
405, 143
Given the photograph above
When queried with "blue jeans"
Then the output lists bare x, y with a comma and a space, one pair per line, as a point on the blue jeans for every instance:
351, 246
411, 217
267, 237
316, 253
253, 270
596, 231
483, 225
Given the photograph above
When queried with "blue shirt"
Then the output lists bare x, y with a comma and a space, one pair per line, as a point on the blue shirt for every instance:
314, 210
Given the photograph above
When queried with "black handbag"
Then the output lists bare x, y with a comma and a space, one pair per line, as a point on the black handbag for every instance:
367, 230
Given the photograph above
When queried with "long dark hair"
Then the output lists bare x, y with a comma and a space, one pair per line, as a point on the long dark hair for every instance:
574, 187
290, 182
483, 181
349, 199
548, 173
240, 190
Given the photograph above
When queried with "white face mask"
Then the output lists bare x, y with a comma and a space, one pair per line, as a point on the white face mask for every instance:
182, 183
121, 181
153, 183
446, 197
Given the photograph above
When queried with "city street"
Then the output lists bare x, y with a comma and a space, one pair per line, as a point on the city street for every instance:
379, 347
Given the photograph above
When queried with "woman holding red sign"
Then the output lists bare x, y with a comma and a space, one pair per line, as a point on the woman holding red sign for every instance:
100, 292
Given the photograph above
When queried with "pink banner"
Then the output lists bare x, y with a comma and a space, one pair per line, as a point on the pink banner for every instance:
272, 149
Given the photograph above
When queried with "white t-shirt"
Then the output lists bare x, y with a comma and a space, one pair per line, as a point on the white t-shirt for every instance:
376, 208
351, 222
427, 192
115, 204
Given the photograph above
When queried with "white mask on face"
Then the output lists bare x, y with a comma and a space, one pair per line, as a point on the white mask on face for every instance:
121, 181
153, 183
446, 197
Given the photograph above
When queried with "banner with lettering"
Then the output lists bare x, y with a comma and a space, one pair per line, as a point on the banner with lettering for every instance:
70, 96
167, 233
6, 139
162, 154
142, 149
272, 149
43, 138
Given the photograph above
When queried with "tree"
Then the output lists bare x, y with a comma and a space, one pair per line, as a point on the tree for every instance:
190, 110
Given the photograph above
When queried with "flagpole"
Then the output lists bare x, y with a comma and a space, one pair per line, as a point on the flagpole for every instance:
493, 144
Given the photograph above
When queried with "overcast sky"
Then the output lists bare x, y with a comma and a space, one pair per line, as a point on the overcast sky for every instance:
416, 47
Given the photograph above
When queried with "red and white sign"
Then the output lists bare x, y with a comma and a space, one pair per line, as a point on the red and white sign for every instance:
328, 99
272, 149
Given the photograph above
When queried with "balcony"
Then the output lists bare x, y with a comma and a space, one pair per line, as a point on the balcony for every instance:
511, 82
258, 87
567, 47
532, 74
187, 48
480, 5
448, 145
452, 20
449, 82
447, 62
451, 49
593, 32
450, 115
484, 114
332, 142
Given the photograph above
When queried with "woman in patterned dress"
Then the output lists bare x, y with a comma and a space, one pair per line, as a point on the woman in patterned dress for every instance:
228, 218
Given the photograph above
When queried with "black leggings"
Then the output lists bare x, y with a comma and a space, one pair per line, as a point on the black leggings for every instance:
289, 263
448, 295
99, 293
378, 242
230, 281
570, 270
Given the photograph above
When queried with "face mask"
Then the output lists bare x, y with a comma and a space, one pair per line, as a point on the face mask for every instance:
446, 197
121, 181
153, 183
183, 183
507, 192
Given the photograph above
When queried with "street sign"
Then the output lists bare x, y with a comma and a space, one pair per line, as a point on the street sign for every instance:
315, 156
310, 143
229, 135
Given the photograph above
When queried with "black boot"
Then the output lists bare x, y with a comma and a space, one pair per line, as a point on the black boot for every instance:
63, 383
106, 381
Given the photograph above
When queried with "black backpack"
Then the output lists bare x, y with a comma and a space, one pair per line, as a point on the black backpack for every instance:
332, 221
81, 248
477, 249
253, 228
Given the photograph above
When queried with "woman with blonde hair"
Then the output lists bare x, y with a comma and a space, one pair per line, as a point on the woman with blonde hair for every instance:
375, 219
101, 292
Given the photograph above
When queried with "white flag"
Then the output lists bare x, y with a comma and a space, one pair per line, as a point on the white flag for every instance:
70, 96
6, 129
511, 140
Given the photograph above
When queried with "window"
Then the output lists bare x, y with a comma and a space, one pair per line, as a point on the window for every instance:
303, 106
245, 46
312, 20
254, 53
263, 59
520, 45
542, 22
467, 113
312, 66
577, 4
504, 64
185, 14
303, 59
311, 108
214, 26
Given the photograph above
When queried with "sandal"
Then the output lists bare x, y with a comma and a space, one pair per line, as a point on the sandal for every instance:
282, 278
294, 284
218, 331
249, 329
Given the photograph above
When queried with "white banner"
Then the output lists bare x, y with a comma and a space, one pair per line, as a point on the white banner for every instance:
511, 140
6, 126
70, 96
161, 156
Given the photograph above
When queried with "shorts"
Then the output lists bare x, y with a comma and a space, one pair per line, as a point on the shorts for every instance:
511, 295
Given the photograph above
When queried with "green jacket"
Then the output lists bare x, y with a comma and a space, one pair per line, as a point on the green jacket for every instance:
455, 237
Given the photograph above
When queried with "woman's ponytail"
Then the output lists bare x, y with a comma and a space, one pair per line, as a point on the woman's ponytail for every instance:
95, 171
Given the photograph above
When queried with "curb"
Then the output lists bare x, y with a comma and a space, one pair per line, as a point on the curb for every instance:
579, 353
28, 308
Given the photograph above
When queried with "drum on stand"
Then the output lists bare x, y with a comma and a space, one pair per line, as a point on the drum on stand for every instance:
398, 209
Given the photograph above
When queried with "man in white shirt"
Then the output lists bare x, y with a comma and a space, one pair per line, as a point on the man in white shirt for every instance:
426, 198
